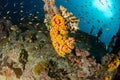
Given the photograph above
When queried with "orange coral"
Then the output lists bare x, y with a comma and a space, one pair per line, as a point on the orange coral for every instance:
114, 65
108, 78
7, 72
59, 36
57, 21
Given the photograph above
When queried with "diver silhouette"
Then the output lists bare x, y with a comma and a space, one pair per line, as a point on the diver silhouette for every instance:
116, 47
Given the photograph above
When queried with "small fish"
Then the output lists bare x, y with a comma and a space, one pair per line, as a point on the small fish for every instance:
37, 24
6, 5
22, 6
107, 29
87, 12
29, 22
4, 17
88, 48
106, 47
13, 28
30, 14
66, 0
34, 6
98, 21
21, 19
21, 3
37, 12
84, 6
8, 12
36, 17
14, 4
9, 17
96, 35
104, 36
112, 18
15, 12
86, 22
101, 2
33, 19
21, 11
39, 31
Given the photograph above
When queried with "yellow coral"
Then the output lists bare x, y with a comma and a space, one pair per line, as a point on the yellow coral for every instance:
114, 65
108, 78
59, 36
57, 20
39, 67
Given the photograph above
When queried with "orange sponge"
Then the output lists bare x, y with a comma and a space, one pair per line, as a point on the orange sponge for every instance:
114, 65
59, 36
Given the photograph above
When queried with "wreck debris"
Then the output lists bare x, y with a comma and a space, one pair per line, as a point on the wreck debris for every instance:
51, 9
71, 21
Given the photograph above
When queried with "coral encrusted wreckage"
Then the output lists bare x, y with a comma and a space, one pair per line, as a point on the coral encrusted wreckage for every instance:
52, 50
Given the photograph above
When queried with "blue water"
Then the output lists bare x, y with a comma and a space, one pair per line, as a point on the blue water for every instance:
93, 14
